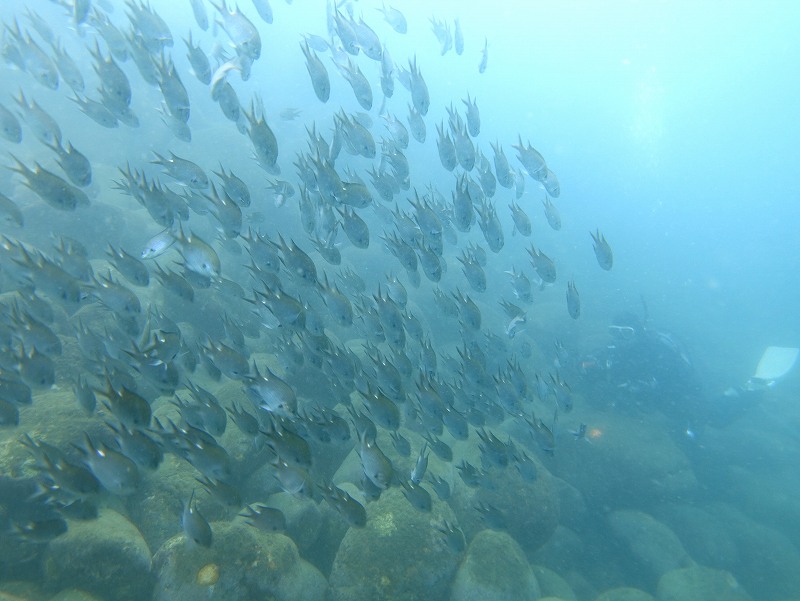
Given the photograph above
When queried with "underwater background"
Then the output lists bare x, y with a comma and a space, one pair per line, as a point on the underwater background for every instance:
282, 407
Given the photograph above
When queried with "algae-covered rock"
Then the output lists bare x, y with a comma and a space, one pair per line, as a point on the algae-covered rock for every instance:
654, 548
106, 557
699, 583
398, 555
530, 509
242, 564
624, 594
494, 569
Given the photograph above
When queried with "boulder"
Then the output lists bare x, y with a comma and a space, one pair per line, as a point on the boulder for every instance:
562, 551
699, 583
494, 569
398, 555
530, 508
107, 557
625, 454
652, 546
769, 562
553, 585
242, 564
624, 594
704, 534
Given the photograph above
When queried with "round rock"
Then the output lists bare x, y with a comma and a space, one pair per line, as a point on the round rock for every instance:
398, 555
699, 583
624, 594
494, 569
242, 564
106, 557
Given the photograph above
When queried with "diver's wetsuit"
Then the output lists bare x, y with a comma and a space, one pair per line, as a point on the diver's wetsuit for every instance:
646, 370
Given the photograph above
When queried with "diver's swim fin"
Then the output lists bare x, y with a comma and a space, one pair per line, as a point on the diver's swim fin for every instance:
776, 362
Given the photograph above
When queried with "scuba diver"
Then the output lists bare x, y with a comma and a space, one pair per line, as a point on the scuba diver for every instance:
643, 369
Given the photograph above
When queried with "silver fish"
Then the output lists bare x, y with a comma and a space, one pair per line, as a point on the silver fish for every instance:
271, 393
264, 518
394, 18
73, 163
419, 498
484, 56
195, 526
376, 465
602, 250
118, 474
183, 170
522, 222
573, 300
158, 245
418, 473
318, 73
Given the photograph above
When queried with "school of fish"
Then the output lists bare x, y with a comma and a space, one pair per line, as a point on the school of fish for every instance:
352, 298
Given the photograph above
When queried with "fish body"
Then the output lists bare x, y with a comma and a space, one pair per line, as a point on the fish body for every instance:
418, 473
602, 251
267, 519
44, 126
473, 116
118, 474
199, 61
51, 188
74, 164
522, 222
350, 509
418, 88
573, 300
183, 170
543, 265
318, 74
199, 257
394, 18
240, 30
195, 527
376, 465
551, 213
271, 393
